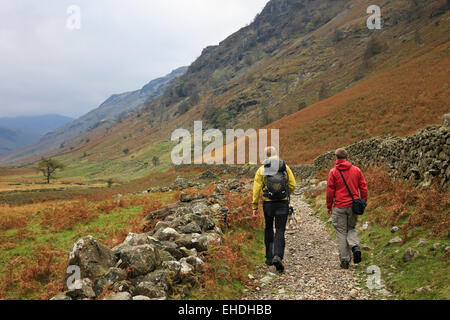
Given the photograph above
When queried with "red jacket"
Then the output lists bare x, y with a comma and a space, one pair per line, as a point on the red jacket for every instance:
337, 193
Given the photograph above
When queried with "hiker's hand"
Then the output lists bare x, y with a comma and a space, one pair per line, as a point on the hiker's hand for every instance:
255, 213
330, 211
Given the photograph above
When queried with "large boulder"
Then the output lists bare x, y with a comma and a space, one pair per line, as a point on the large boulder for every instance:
140, 259
93, 258
81, 289
112, 276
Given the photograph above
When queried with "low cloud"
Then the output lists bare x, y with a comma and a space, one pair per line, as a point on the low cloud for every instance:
47, 68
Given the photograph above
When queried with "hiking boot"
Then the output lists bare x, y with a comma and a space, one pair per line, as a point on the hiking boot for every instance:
356, 255
278, 264
269, 262
345, 264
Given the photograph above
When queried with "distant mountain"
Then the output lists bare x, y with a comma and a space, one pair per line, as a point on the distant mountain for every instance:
115, 107
19, 132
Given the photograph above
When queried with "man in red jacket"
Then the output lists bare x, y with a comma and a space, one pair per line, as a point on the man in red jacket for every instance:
339, 204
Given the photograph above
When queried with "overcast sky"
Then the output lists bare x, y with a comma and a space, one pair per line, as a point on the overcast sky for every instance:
47, 68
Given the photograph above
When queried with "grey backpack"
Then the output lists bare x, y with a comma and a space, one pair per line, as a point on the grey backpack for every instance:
276, 179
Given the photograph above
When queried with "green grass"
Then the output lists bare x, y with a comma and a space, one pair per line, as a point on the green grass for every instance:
36, 236
402, 279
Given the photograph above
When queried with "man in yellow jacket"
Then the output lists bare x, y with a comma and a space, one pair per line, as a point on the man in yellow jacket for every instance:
277, 182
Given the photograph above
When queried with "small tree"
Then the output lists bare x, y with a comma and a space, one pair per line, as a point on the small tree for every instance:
155, 161
323, 91
48, 168
110, 182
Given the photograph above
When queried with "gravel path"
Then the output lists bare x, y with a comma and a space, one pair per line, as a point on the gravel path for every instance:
312, 266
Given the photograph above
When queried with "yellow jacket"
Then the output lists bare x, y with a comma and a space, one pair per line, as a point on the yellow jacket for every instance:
260, 183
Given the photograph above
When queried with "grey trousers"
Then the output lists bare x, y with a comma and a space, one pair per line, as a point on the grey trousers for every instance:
344, 222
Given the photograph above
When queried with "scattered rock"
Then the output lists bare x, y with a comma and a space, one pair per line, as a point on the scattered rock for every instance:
394, 229
184, 197
424, 289
394, 241
353, 293
422, 243
208, 175
409, 255
436, 247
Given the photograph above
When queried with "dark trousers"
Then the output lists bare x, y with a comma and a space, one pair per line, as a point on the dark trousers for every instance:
277, 211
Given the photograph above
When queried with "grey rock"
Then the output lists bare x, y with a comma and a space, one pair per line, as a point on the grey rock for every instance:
123, 286
113, 275
168, 234
161, 225
150, 290
81, 289
409, 255
141, 259
394, 229
394, 241
422, 243
192, 227
93, 258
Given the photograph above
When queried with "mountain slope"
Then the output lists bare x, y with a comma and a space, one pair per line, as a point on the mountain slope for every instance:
392, 80
118, 106
11, 139
18, 132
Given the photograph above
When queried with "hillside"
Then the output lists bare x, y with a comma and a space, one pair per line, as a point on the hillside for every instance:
309, 68
11, 139
18, 132
388, 81
113, 110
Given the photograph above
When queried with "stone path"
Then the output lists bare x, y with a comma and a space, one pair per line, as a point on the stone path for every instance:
312, 266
